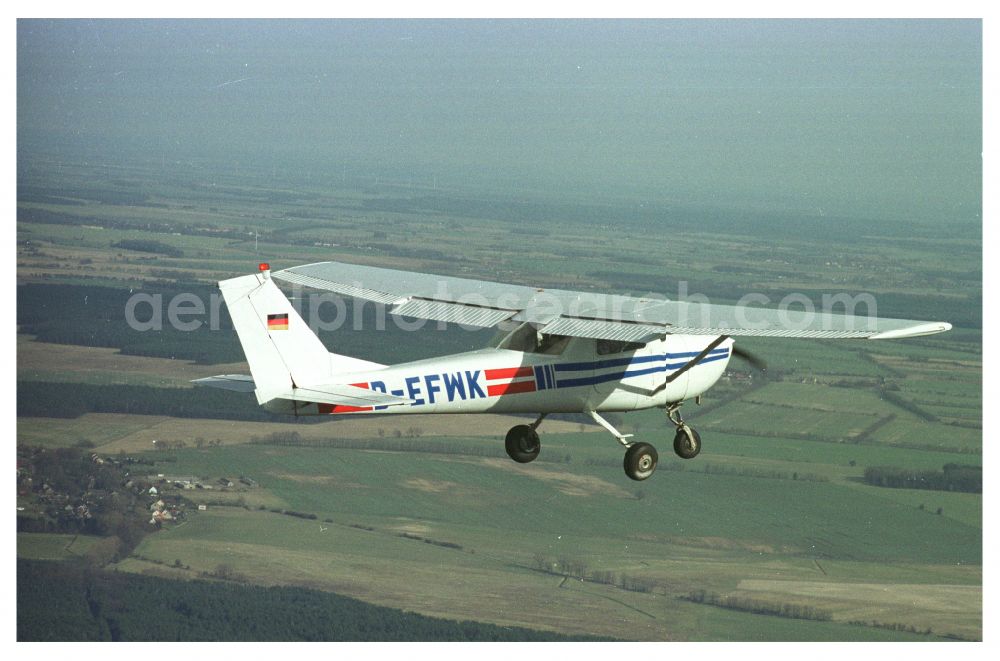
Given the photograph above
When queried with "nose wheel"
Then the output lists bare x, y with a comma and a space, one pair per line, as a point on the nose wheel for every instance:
687, 442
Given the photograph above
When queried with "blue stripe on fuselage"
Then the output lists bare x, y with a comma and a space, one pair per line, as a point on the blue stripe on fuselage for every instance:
540, 382
625, 374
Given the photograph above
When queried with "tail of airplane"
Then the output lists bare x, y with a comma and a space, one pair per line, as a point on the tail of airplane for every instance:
283, 352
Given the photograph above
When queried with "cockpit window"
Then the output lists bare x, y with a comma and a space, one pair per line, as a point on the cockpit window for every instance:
605, 347
552, 344
529, 340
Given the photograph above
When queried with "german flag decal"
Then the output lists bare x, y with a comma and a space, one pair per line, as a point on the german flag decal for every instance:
277, 322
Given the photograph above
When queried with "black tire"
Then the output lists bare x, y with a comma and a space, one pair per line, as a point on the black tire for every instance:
522, 444
640, 461
687, 447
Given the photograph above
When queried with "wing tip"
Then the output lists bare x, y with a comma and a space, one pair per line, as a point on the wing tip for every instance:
930, 328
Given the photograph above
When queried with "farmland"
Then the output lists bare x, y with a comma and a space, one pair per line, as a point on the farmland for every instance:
375, 509
774, 512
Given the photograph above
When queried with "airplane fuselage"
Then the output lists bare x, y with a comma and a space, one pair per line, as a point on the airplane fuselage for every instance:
579, 377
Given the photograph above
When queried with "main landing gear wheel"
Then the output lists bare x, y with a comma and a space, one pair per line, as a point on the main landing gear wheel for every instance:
687, 442
640, 461
522, 443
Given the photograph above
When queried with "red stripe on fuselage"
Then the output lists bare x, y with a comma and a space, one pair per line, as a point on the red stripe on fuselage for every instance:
326, 409
510, 388
509, 373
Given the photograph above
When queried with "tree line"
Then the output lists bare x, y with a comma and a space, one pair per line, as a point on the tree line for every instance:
892, 397
951, 477
575, 568
150, 246
759, 606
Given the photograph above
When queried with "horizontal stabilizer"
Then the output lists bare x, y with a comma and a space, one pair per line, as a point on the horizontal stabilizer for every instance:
337, 395
235, 382
344, 395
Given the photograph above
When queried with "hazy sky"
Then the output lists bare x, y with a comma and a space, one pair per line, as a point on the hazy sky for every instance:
869, 118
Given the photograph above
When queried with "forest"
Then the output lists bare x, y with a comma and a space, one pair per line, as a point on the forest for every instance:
951, 477
70, 400
67, 601
95, 316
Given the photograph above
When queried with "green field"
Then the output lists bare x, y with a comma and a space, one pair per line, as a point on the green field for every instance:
52, 546
489, 490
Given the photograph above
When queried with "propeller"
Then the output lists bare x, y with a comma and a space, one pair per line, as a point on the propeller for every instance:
753, 360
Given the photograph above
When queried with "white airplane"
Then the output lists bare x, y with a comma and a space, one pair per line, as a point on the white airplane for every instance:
563, 351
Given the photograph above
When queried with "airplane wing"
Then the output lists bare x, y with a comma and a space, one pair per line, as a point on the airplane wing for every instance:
587, 314
336, 394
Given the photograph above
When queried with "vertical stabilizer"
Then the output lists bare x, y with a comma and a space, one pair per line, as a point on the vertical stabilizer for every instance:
283, 352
